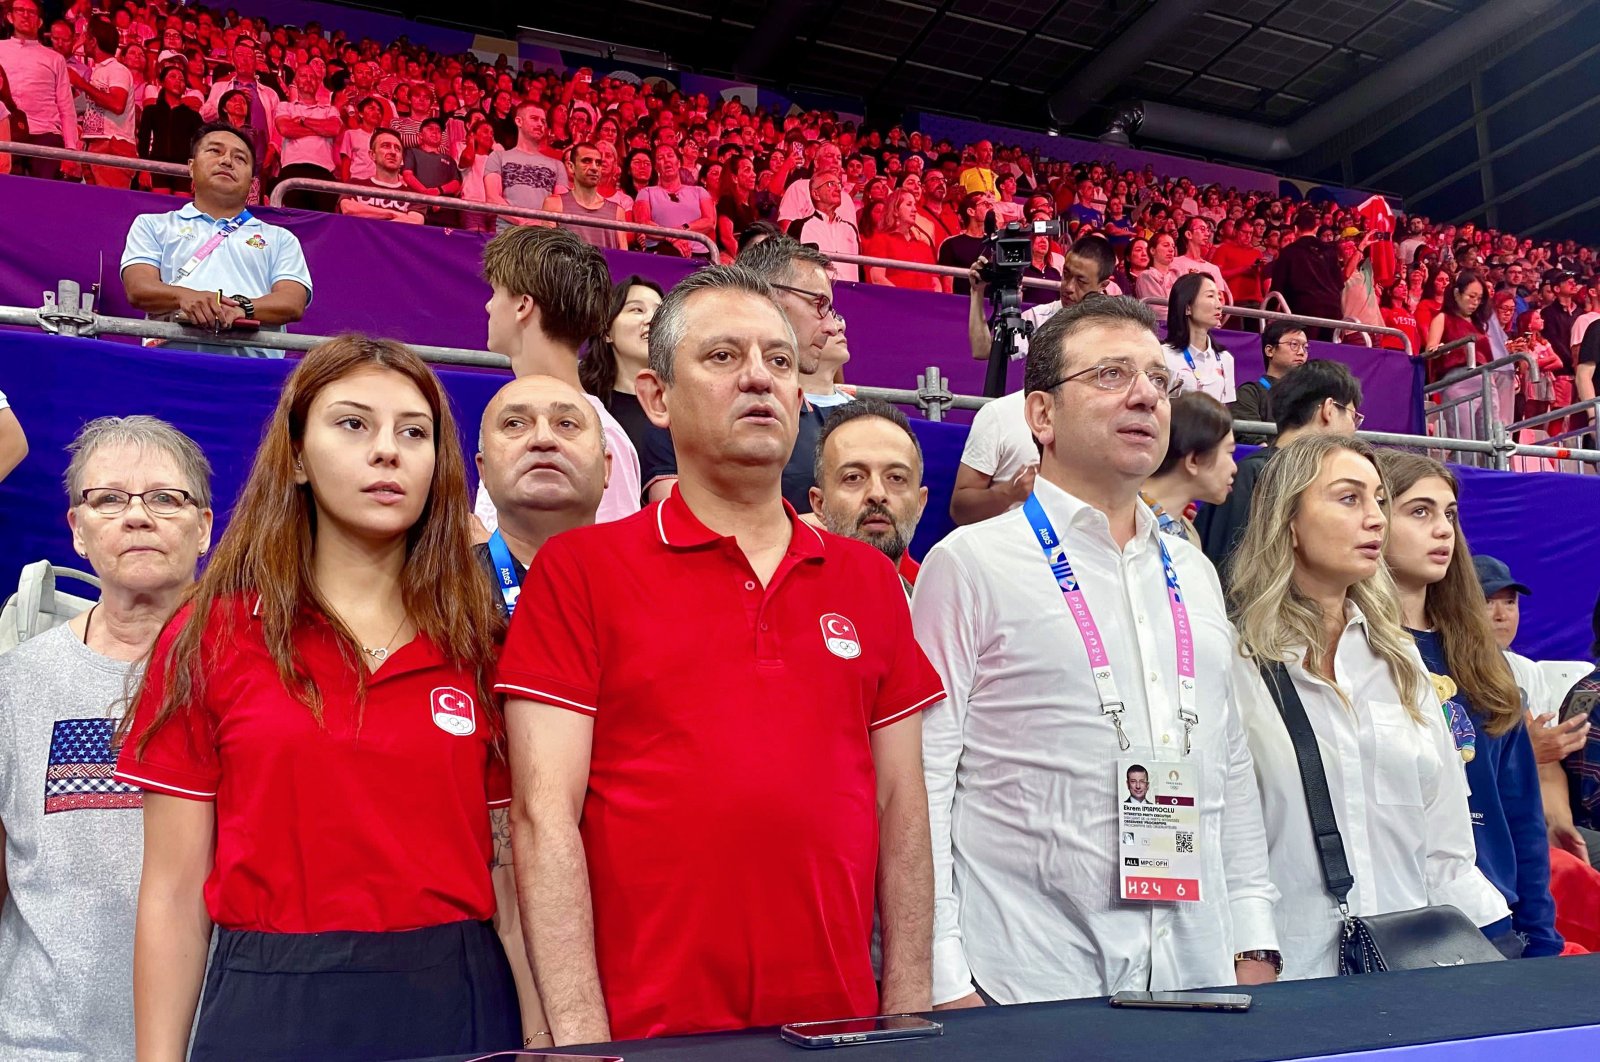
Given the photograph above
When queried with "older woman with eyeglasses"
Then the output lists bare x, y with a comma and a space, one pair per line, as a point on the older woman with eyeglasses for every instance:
139, 498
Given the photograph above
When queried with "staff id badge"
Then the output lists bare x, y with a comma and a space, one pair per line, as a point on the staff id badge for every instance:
1158, 821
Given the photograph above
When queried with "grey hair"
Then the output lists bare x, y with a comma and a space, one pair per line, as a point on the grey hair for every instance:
670, 323
774, 260
146, 433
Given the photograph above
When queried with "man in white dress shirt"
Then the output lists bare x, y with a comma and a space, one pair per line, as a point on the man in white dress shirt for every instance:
1024, 782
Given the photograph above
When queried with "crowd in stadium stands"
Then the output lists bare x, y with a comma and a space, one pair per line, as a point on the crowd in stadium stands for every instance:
430, 774
133, 78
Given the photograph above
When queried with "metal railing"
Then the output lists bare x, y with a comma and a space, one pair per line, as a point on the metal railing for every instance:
69, 312
92, 158
1336, 324
311, 184
1455, 344
1556, 414
308, 184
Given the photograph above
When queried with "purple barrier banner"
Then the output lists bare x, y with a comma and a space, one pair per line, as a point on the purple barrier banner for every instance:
56, 384
423, 285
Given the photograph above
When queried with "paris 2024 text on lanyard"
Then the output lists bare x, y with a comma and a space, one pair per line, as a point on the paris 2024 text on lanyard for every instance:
1158, 822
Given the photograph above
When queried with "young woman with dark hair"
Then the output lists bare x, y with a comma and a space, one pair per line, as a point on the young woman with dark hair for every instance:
1442, 605
1194, 308
614, 360
1198, 466
320, 750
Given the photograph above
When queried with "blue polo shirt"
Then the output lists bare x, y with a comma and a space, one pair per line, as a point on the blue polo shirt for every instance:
249, 262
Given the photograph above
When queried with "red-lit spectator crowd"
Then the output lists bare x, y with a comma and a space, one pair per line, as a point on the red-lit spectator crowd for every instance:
137, 79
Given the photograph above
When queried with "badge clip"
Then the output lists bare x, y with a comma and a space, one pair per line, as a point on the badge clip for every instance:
1190, 720
1114, 710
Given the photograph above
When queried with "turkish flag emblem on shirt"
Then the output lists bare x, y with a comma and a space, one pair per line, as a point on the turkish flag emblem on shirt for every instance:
453, 711
840, 636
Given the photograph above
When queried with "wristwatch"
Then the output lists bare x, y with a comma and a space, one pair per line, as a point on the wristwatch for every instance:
246, 305
1273, 957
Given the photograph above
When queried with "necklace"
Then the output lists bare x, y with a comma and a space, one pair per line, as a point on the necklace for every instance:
381, 653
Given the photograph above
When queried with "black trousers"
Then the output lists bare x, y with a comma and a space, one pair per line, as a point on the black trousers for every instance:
357, 996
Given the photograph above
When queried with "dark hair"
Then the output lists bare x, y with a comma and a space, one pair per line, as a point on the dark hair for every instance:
1465, 279
1199, 424
774, 260
1047, 348
1305, 218
221, 127
564, 275
429, 121
1594, 626
969, 206
757, 230
1296, 398
598, 369
361, 104
1185, 290
1097, 249
1273, 334
863, 407
1141, 768
105, 35
384, 130
626, 179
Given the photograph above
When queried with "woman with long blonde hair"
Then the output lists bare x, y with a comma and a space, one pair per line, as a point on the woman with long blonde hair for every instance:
1317, 610
319, 748
1442, 606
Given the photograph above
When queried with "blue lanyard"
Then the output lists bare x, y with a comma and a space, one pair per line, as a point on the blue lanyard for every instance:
1111, 703
1188, 357
1266, 382
505, 570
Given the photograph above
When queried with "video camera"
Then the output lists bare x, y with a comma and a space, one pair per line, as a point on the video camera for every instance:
1007, 250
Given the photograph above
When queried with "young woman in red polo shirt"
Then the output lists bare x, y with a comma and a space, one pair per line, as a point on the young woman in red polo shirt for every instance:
320, 752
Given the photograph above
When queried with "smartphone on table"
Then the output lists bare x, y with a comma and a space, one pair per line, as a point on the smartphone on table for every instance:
860, 1030
1225, 1001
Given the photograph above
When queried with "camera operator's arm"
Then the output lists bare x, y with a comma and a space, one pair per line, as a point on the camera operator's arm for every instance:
978, 335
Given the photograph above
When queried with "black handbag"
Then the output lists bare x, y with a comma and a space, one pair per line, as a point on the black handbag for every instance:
1420, 939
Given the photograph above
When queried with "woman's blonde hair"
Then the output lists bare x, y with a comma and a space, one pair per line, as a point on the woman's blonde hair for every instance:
1279, 623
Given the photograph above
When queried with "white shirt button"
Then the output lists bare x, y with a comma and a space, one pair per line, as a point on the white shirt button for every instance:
1166, 739
1154, 678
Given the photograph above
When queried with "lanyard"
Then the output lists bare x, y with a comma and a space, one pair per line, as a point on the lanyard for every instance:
1188, 358
1099, 663
505, 570
1265, 382
1164, 519
226, 227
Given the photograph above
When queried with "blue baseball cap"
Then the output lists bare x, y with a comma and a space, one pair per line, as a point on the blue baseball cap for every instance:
1495, 576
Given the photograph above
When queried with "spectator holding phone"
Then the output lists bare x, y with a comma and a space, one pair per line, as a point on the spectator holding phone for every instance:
212, 263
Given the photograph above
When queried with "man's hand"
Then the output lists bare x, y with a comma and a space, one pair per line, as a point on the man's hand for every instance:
1018, 487
1254, 972
1565, 836
1552, 744
966, 1002
974, 278
204, 309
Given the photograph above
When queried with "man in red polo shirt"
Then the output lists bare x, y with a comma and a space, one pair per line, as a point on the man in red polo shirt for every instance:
715, 725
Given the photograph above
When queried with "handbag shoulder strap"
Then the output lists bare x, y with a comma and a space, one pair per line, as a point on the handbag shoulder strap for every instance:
1314, 780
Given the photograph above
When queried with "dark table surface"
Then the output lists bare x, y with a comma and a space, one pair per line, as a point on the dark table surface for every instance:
1297, 1019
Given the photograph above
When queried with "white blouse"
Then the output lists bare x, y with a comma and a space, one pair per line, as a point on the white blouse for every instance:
1399, 793
1209, 370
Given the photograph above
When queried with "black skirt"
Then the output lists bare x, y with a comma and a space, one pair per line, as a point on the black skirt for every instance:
357, 996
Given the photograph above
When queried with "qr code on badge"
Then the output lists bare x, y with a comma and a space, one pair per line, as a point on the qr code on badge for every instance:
1185, 843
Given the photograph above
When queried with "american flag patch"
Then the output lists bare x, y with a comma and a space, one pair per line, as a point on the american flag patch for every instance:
81, 767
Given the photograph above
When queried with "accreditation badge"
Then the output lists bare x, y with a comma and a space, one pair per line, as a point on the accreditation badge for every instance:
1158, 825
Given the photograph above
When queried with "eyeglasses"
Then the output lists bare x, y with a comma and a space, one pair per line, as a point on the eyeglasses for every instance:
1118, 378
1294, 346
823, 304
162, 501
1356, 416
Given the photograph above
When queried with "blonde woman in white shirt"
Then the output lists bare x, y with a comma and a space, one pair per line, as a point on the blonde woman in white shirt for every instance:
1311, 590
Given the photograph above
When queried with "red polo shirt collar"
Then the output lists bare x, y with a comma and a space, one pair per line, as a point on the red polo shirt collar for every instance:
679, 528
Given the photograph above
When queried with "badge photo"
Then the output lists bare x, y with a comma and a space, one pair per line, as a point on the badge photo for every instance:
453, 711
839, 634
